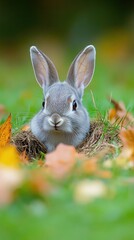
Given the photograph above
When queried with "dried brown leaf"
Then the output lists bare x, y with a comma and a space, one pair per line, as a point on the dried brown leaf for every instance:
5, 132
127, 138
119, 114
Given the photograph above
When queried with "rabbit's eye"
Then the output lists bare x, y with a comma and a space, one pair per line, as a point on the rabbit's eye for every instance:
74, 105
43, 104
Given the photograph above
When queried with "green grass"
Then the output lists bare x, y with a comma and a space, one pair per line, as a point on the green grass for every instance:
58, 216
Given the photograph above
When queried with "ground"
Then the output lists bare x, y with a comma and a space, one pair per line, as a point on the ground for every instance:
61, 214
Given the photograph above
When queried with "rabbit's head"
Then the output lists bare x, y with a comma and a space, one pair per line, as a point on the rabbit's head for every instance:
62, 118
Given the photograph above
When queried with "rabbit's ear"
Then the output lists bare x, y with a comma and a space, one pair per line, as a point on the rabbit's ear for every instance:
82, 68
44, 69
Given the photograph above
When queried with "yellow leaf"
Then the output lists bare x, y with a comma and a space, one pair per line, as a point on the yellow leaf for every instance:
5, 132
9, 157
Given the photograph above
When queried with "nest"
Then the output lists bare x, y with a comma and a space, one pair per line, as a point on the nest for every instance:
99, 137
26, 142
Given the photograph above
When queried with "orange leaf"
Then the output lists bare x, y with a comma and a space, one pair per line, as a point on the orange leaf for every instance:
104, 174
112, 114
38, 182
127, 138
61, 161
120, 114
5, 132
126, 157
25, 127
89, 166
24, 157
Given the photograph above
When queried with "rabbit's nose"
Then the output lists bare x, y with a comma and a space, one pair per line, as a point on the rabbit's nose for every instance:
55, 120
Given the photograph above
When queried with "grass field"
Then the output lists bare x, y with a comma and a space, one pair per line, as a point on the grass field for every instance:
59, 216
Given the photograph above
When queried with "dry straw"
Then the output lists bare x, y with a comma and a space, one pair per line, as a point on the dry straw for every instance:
101, 135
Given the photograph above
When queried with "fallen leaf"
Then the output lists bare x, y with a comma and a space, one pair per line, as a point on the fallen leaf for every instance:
127, 138
24, 158
104, 174
89, 165
40, 163
38, 182
126, 157
5, 132
25, 127
61, 161
119, 114
9, 157
10, 179
86, 190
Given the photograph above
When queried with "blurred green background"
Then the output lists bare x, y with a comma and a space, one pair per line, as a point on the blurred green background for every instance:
61, 29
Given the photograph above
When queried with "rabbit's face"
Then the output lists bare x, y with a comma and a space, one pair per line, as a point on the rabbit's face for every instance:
62, 106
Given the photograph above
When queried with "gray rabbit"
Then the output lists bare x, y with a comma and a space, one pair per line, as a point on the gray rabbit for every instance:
63, 118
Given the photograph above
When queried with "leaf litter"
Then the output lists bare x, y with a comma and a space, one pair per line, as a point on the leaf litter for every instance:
85, 162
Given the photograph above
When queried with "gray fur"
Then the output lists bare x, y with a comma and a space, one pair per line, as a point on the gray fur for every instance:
57, 122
